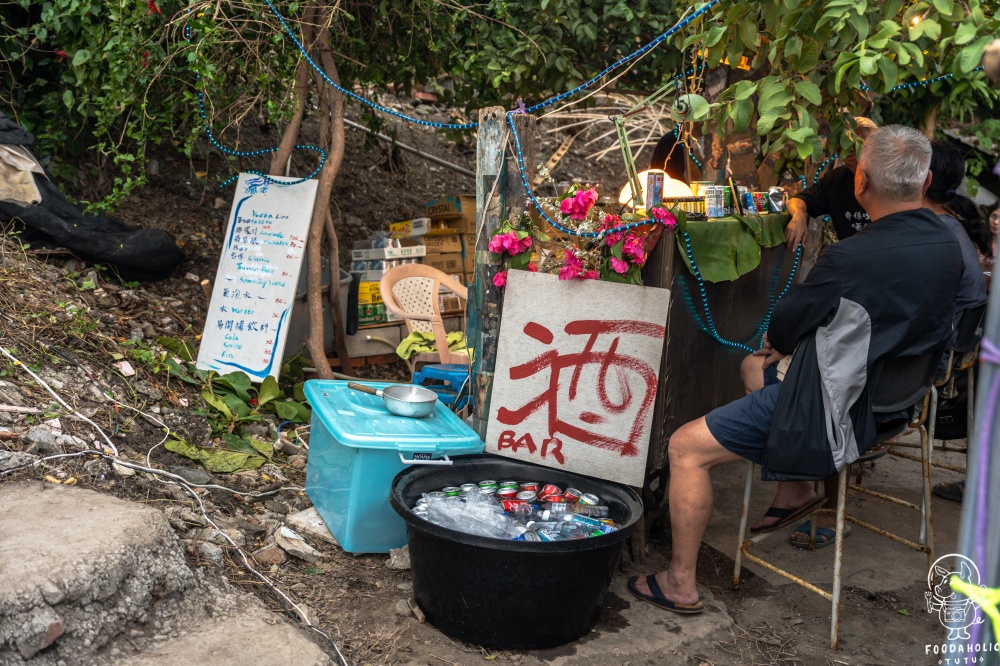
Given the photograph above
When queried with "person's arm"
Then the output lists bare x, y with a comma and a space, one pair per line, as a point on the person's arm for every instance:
797, 228
806, 306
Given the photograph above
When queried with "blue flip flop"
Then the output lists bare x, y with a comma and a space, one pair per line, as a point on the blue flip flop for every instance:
829, 535
658, 599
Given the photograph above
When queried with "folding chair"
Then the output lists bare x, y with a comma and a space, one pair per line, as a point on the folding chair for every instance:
897, 384
961, 358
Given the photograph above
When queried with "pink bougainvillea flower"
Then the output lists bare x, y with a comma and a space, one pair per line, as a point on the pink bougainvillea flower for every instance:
621, 267
153, 9
532, 268
633, 249
567, 273
497, 245
579, 205
500, 279
610, 222
613, 239
664, 217
517, 245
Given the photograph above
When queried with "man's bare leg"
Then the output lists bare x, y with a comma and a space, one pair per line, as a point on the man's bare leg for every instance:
693, 452
828, 520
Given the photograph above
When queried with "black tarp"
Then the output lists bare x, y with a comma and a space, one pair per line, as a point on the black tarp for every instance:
134, 254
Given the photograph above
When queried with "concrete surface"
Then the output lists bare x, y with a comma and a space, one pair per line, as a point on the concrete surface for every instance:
640, 631
76, 565
251, 636
871, 562
89, 579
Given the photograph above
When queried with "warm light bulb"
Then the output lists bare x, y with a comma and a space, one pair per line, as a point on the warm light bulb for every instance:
672, 188
916, 20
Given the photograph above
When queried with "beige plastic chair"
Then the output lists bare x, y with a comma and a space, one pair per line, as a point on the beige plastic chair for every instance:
411, 291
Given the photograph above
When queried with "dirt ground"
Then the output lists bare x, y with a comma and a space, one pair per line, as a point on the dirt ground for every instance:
356, 599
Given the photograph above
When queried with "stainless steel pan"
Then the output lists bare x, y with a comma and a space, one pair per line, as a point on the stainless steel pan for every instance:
403, 399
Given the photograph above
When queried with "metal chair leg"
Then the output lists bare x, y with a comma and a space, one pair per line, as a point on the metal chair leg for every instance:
838, 557
744, 515
927, 527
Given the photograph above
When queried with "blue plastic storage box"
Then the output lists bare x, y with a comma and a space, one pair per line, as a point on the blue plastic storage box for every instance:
356, 447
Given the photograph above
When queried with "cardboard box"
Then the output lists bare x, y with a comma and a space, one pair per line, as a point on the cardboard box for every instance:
450, 302
468, 253
405, 249
446, 263
443, 244
410, 228
458, 211
369, 293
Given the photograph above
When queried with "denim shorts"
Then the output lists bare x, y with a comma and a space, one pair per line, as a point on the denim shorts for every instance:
743, 425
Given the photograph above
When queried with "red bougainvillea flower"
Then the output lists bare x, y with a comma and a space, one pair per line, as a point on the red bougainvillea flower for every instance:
153, 9
590, 275
500, 279
62, 55
532, 268
578, 205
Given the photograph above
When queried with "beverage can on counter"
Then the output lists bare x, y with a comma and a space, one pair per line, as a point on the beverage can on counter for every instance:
760, 201
451, 491
654, 189
749, 207
589, 499
776, 200
727, 200
572, 495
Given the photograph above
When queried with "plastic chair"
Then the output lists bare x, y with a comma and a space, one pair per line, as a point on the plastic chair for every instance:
897, 384
961, 358
411, 292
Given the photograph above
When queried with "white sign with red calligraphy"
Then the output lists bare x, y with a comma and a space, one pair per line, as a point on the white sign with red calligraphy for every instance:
258, 274
576, 374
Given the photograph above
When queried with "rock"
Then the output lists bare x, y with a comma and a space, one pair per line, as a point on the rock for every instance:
182, 518
296, 546
258, 430
153, 168
310, 524
209, 551
399, 559
41, 440
406, 587
195, 475
220, 203
277, 505
270, 554
72, 443
273, 472
403, 608
11, 459
297, 461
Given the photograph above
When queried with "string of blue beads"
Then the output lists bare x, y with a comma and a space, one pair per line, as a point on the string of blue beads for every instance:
821, 167
924, 82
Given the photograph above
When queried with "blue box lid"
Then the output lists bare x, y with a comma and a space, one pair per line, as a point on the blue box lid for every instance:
360, 420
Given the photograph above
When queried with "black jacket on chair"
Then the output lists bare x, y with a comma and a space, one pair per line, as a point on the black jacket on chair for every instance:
886, 292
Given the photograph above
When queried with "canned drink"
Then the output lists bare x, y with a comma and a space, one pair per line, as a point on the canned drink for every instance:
469, 487
551, 498
507, 493
533, 486
589, 499
550, 489
727, 200
488, 484
760, 201
436, 495
654, 189
749, 206
508, 484
572, 495
516, 505
451, 491
487, 491
421, 501
527, 496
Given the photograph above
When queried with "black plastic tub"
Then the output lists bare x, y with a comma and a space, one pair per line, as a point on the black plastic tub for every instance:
510, 594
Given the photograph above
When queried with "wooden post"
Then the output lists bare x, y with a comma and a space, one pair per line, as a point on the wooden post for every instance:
500, 195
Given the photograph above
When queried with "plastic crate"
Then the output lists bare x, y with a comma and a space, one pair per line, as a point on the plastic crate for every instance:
356, 447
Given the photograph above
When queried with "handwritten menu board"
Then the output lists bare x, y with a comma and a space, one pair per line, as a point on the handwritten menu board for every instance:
258, 274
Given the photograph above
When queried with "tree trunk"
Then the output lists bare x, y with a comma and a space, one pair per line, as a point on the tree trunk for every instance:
930, 121
331, 104
288, 140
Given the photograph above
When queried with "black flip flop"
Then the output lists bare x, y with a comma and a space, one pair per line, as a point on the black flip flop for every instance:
788, 516
659, 600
